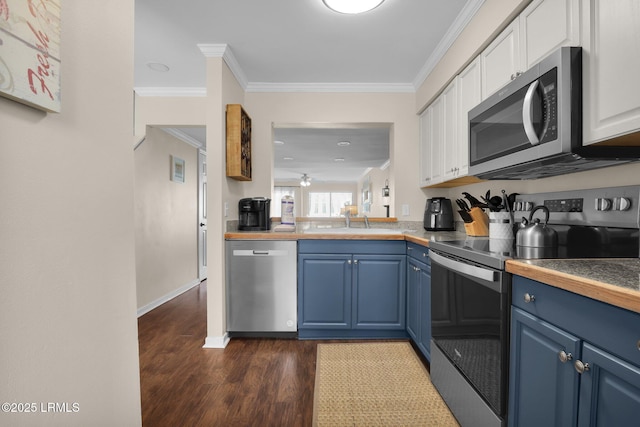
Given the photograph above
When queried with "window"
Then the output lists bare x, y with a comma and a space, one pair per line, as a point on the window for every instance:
328, 204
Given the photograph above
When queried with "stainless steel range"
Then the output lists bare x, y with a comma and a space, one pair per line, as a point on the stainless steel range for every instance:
471, 292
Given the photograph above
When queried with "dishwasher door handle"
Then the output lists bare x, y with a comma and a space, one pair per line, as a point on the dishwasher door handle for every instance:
255, 252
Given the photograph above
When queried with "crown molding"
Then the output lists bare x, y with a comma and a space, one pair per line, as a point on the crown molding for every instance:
171, 91
461, 21
224, 51
331, 87
183, 137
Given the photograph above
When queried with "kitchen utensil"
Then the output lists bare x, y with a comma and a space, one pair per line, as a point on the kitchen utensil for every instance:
505, 201
462, 205
465, 216
532, 236
473, 201
493, 204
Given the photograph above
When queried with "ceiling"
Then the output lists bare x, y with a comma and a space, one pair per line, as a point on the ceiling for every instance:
293, 45
341, 154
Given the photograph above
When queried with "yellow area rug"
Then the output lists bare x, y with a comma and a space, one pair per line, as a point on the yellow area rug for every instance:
375, 384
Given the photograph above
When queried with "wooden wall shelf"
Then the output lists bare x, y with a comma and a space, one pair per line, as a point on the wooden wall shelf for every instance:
238, 143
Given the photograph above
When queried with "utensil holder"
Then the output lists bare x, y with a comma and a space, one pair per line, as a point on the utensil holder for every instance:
500, 225
480, 225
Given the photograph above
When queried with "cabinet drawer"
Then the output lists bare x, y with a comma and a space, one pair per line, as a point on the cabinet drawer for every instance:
390, 247
418, 252
611, 328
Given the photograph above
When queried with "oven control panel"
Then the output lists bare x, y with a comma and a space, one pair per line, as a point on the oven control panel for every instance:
612, 206
564, 205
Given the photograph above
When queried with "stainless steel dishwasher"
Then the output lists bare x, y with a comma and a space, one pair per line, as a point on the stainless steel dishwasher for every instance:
261, 297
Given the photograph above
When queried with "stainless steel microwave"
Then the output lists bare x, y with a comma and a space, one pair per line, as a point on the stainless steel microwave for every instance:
532, 128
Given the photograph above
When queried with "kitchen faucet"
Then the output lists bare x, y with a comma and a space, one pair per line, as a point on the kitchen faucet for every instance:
347, 217
366, 222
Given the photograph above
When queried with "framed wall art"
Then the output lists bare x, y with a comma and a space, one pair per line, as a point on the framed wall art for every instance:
30, 52
177, 169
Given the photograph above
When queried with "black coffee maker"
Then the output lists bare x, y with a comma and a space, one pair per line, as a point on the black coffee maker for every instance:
254, 214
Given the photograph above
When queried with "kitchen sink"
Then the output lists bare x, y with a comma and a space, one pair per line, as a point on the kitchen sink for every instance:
345, 230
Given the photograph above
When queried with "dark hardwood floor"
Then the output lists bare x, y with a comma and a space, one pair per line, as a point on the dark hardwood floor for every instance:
252, 382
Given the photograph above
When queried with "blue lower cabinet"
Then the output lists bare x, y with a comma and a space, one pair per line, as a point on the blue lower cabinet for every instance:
543, 388
560, 373
609, 390
419, 297
350, 289
324, 297
379, 292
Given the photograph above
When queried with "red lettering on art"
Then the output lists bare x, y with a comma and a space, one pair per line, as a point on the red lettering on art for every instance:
4, 9
42, 38
45, 63
43, 85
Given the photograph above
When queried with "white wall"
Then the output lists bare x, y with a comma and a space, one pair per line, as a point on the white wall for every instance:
166, 219
68, 325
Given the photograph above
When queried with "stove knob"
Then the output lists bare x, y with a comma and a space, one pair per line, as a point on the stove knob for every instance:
517, 206
603, 204
621, 204
528, 206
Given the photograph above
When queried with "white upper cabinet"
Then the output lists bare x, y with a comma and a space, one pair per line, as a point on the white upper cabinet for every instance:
500, 61
546, 25
444, 129
541, 28
431, 137
437, 138
469, 95
611, 58
450, 122
425, 147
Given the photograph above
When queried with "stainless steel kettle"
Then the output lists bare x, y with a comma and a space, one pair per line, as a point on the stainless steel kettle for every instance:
536, 240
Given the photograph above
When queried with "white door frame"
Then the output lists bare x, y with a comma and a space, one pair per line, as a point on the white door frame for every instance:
202, 214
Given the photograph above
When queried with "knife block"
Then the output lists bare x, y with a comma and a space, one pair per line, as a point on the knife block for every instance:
480, 224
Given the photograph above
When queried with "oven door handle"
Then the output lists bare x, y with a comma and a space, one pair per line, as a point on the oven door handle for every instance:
461, 267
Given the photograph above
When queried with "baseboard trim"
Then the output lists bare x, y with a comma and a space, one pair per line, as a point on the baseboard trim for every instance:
168, 297
216, 342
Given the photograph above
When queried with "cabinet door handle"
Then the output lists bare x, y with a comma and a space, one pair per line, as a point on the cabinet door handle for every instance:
529, 298
564, 356
355, 261
349, 262
527, 114
581, 367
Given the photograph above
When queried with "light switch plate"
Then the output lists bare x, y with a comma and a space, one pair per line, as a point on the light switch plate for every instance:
226, 209
405, 210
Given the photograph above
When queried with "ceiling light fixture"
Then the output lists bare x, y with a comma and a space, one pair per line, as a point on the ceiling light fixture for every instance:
352, 6
343, 143
339, 159
305, 181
